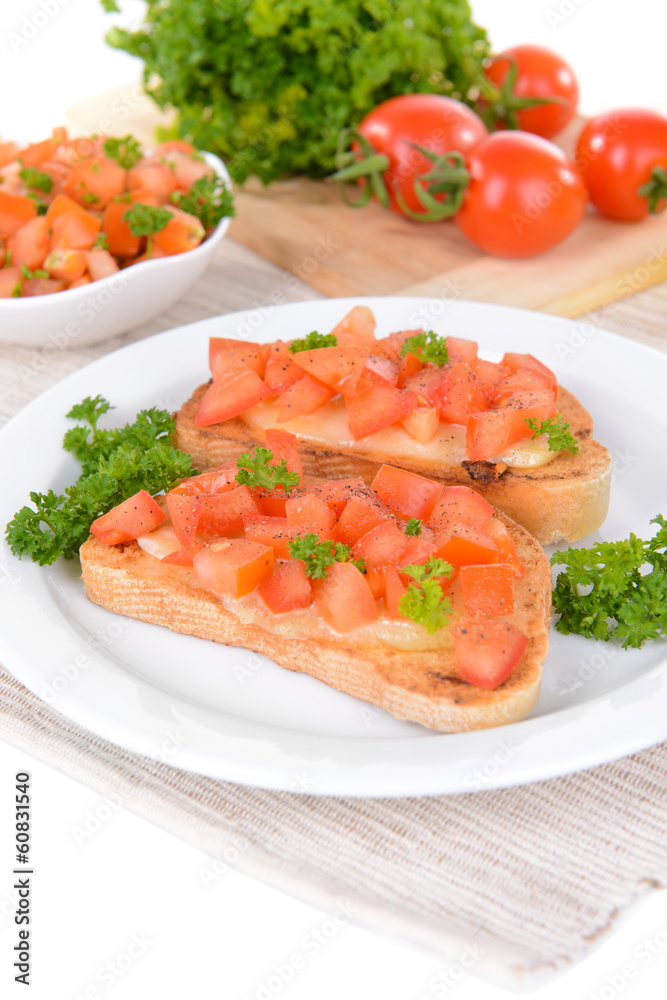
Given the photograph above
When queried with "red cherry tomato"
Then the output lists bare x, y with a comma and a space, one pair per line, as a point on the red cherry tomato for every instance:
438, 124
618, 153
524, 195
539, 73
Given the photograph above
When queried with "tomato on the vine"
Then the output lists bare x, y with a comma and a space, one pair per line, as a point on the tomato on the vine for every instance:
538, 91
387, 164
623, 158
524, 195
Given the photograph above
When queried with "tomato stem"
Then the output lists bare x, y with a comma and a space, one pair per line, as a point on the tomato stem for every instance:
354, 165
447, 176
503, 103
655, 190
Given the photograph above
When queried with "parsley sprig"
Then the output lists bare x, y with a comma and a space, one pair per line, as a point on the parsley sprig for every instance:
558, 433
39, 180
126, 151
319, 556
313, 341
621, 599
257, 471
115, 464
209, 199
428, 347
424, 601
413, 527
147, 220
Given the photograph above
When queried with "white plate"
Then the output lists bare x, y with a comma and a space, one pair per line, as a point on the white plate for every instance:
234, 715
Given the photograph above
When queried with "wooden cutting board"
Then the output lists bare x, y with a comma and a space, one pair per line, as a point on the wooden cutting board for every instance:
302, 226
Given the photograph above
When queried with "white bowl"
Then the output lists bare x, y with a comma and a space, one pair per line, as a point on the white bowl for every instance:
111, 305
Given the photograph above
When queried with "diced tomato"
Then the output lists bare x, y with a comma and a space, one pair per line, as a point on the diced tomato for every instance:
516, 361
233, 567
488, 590
487, 651
459, 394
224, 351
80, 282
186, 168
490, 433
273, 502
156, 177
15, 211
522, 380
122, 242
394, 590
375, 581
65, 264
61, 204
223, 512
506, 547
405, 493
11, 282
391, 346
182, 232
461, 349
362, 512
302, 398
357, 327
281, 370
234, 391
380, 407
29, 245
285, 445
94, 181
422, 423
410, 365
128, 520
172, 144
76, 229
380, 369
288, 588
218, 480
417, 551
43, 286
273, 531
101, 264
381, 545
459, 504
464, 544
337, 367
345, 600
425, 384
337, 492
309, 513
8, 152
184, 513
488, 374
185, 556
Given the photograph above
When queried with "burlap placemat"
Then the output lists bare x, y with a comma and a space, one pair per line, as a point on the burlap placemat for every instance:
521, 882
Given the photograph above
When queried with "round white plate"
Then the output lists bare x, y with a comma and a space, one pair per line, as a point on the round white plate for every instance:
231, 714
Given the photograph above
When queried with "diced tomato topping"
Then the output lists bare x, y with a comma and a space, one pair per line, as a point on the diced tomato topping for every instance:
224, 512
128, 520
337, 492
15, 211
381, 545
488, 374
391, 346
232, 567
101, 264
357, 327
394, 590
417, 551
224, 352
235, 390
523, 380
361, 513
461, 349
37, 152
302, 398
65, 264
380, 369
281, 370
308, 514
29, 245
155, 177
217, 480
273, 531
425, 384
94, 181
184, 512
459, 394
405, 493
183, 232
183, 557
375, 581
345, 600
122, 242
488, 590
11, 281
459, 504
422, 423
77, 230
287, 589
61, 204
464, 544
273, 502
506, 547
490, 433
379, 407
338, 367
517, 361
410, 365
43, 286
487, 651
285, 445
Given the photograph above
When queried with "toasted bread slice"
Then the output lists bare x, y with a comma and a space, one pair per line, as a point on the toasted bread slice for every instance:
563, 500
423, 687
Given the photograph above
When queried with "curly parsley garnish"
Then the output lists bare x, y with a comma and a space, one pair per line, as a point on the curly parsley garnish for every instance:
101, 242
38, 273
147, 220
313, 341
126, 151
428, 347
424, 601
115, 464
209, 199
558, 433
621, 600
256, 472
413, 527
39, 180
319, 556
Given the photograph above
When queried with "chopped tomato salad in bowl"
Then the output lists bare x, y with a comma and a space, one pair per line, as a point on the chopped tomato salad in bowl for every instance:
97, 235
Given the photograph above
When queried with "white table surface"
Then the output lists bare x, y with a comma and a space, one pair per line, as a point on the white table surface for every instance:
124, 909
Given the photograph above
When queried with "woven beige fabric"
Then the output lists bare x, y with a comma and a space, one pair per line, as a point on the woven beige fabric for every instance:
530, 877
